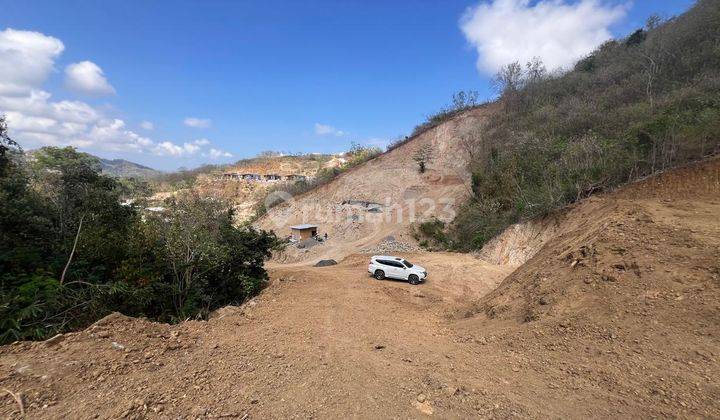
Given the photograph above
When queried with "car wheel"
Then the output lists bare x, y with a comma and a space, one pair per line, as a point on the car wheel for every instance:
413, 279
379, 274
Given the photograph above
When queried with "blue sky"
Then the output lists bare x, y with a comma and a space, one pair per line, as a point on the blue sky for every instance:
307, 76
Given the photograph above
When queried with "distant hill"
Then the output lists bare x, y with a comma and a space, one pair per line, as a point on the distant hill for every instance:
125, 169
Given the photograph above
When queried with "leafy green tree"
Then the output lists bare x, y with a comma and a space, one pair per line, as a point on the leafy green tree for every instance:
208, 261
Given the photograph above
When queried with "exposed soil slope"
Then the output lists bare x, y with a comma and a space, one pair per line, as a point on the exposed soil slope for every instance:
385, 195
615, 316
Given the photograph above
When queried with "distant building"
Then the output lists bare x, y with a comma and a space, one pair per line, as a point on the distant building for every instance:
251, 177
302, 232
237, 176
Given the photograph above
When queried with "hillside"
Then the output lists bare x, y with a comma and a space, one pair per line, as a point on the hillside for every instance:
125, 169
243, 195
613, 315
385, 196
635, 106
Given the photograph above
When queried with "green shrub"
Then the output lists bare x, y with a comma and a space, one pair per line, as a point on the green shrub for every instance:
431, 234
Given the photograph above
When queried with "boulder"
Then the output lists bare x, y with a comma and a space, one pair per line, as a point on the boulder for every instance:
325, 263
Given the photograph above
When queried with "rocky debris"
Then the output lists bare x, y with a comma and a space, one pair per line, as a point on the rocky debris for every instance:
325, 263
102, 334
307, 243
390, 247
366, 205
56, 339
117, 346
424, 407
224, 311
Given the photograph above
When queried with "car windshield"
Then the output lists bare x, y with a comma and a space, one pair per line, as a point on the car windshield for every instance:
407, 263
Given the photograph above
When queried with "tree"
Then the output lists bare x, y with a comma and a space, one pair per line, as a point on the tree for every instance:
536, 71
6, 145
636, 38
653, 22
208, 261
464, 99
422, 156
86, 209
509, 79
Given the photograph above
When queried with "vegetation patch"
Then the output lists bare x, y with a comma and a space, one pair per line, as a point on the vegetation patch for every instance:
632, 108
71, 252
431, 234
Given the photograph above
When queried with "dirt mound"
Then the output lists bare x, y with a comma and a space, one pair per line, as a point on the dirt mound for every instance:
623, 300
629, 236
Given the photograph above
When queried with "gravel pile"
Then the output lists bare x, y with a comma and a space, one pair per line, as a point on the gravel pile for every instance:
389, 247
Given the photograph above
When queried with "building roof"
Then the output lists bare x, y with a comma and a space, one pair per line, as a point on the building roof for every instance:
303, 227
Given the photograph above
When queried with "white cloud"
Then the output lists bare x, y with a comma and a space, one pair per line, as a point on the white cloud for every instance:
557, 31
87, 78
325, 130
26, 60
147, 125
197, 122
35, 119
168, 148
217, 154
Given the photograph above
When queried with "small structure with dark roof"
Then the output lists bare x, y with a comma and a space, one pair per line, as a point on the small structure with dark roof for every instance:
304, 231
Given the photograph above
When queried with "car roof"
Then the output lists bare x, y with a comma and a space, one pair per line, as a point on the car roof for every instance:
386, 257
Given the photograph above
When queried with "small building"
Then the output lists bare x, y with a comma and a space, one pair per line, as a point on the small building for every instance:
302, 232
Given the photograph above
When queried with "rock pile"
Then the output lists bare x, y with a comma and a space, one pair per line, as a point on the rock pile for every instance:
390, 245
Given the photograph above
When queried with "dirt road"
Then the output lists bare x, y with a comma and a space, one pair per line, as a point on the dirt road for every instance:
319, 342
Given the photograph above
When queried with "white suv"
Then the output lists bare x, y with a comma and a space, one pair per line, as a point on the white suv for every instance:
383, 266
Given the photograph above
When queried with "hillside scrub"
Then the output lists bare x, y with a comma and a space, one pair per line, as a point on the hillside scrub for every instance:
632, 108
461, 101
70, 253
